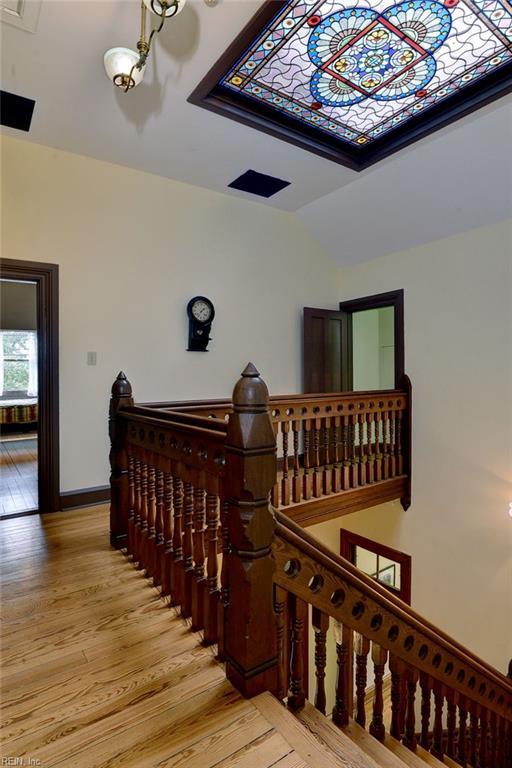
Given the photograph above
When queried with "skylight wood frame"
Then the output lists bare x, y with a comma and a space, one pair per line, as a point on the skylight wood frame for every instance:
210, 95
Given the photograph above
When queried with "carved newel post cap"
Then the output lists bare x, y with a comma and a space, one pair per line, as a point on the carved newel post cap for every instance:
250, 391
121, 386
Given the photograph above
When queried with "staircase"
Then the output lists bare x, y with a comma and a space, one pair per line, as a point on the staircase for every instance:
191, 506
321, 744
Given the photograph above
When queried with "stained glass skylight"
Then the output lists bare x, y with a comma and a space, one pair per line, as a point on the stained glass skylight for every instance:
359, 71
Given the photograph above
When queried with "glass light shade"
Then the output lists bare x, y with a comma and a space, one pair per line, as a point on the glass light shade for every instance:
118, 65
173, 8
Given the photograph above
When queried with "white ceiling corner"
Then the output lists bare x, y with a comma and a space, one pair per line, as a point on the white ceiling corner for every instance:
452, 179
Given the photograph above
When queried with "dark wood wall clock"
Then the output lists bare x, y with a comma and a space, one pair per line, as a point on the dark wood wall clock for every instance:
200, 312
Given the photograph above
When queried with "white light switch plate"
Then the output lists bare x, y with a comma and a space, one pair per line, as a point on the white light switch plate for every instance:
91, 358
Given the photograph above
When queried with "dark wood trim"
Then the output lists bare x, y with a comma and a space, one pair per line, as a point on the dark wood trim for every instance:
221, 100
348, 543
344, 503
46, 277
393, 299
85, 497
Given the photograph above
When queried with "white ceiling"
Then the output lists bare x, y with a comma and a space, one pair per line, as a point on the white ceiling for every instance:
451, 181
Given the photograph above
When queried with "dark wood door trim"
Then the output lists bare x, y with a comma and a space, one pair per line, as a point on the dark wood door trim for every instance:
393, 299
46, 277
348, 543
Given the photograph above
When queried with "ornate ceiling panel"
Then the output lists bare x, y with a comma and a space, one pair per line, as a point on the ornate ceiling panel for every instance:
357, 81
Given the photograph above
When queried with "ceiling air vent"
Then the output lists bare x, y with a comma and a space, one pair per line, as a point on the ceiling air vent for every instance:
16, 111
259, 184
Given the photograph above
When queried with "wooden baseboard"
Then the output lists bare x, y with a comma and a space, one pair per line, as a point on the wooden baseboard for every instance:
85, 497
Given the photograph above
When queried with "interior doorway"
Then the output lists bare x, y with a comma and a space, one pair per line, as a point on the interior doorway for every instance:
390, 567
29, 434
358, 347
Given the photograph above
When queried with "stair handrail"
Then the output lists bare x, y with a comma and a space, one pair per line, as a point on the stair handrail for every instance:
320, 560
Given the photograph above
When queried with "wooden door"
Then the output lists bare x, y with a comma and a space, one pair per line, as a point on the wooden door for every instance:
327, 350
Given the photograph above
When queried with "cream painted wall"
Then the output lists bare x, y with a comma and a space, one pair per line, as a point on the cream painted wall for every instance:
132, 249
458, 325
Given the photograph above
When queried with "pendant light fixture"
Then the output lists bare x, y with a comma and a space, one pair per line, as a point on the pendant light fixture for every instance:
125, 67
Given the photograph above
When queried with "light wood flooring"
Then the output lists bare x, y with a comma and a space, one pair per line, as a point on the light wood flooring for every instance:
98, 671
18, 475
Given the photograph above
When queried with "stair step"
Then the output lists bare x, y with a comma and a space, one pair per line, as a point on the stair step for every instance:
350, 753
307, 741
427, 757
383, 752
298, 737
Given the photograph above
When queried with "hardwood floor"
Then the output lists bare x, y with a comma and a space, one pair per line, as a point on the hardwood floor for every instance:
18, 472
98, 671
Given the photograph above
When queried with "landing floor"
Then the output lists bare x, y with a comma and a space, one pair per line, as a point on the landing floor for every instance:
98, 671
18, 474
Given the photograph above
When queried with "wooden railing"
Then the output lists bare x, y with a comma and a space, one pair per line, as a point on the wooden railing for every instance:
191, 504
339, 452
471, 717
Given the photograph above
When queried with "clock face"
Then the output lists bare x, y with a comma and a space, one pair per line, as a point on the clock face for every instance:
201, 311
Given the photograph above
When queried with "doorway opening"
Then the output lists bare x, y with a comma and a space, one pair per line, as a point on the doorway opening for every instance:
29, 434
358, 347
390, 567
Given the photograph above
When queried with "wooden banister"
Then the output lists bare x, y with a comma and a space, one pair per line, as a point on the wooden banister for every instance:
294, 537
192, 485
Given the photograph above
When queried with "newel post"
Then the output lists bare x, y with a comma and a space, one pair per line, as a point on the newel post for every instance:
251, 470
119, 491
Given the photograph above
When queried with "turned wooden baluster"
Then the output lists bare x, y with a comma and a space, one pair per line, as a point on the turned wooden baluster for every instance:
493, 738
345, 452
167, 551
280, 600
321, 626
397, 667
425, 686
137, 518
159, 530
224, 585
363, 448
370, 464
327, 457
149, 556
483, 751
500, 744
296, 479
143, 532
336, 457
298, 684
177, 585
379, 657
131, 503
462, 734
188, 557
285, 480
399, 455
275, 496
342, 709
437, 733
378, 447
362, 648
317, 473
212, 571
409, 739
473, 735
451, 723
392, 444
354, 459
198, 582
385, 445
307, 479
